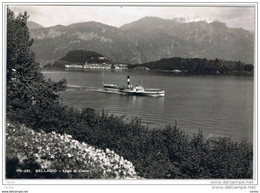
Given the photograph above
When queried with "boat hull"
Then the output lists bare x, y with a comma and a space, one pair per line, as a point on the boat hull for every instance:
144, 93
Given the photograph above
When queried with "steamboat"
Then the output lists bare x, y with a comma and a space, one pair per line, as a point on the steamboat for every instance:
129, 89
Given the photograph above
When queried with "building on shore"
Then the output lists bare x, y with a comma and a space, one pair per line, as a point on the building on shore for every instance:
96, 66
73, 66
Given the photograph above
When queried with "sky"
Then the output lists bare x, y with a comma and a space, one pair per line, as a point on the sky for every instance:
49, 15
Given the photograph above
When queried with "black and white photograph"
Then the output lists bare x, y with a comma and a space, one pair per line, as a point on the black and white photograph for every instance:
157, 93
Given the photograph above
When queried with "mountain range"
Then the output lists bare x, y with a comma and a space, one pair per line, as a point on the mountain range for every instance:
145, 40
33, 25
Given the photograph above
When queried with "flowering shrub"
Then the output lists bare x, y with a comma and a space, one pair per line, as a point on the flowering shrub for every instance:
60, 156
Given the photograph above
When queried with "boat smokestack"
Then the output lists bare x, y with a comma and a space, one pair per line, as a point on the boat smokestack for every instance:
128, 81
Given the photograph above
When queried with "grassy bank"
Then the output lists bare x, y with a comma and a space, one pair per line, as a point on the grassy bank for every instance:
165, 154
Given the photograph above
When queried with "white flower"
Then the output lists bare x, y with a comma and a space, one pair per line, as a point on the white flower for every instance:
116, 167
46, 164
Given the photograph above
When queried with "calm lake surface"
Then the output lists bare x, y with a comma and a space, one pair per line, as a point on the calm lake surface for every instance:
217, 105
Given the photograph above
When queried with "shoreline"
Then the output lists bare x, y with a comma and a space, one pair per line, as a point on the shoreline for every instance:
236, 74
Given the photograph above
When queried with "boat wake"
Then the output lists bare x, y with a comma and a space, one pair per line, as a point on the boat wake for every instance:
109, 91
80, 88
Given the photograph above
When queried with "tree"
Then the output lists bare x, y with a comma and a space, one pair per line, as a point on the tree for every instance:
239, 66
27, 88
249, 67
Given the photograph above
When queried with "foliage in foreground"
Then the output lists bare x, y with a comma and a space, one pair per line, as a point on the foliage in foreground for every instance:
26, 85
158, 153
54, 155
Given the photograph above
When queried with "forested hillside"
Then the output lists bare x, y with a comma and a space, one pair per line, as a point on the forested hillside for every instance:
198, 66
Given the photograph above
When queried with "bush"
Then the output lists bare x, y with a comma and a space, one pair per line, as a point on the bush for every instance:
158, 153
60, 156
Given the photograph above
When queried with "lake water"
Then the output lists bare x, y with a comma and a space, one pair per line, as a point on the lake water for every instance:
217, 105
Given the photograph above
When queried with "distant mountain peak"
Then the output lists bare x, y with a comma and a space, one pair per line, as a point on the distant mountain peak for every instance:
150, 22
89, 24
192, 18
219, 24
33, 25
151, 18
145, 22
